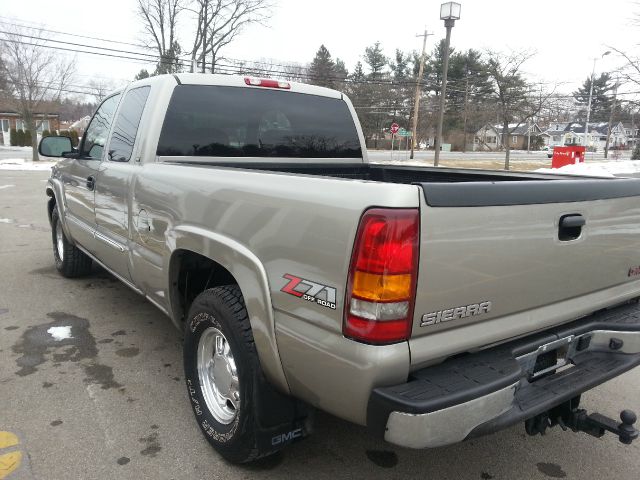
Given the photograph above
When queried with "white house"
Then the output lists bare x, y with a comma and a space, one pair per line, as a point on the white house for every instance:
572, 133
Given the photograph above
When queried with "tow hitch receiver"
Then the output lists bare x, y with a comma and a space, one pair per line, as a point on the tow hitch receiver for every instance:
568, 416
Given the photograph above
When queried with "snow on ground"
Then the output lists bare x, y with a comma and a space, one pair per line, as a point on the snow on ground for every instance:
597, 169
22, 164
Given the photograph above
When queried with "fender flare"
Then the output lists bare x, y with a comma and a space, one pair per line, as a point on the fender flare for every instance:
53, 190
251, 276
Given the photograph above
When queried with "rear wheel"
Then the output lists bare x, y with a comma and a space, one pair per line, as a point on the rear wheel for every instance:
221, 369
70, 260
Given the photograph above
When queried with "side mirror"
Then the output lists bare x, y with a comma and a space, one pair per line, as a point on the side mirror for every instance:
55, 147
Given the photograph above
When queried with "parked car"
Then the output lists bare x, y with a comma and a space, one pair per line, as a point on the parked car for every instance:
430, 304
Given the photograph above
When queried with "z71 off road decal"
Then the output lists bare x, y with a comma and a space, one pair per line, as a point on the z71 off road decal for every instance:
323, 295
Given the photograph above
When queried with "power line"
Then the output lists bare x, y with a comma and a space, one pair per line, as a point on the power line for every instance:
65, 33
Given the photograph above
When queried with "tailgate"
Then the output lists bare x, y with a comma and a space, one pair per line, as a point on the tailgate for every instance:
497, 260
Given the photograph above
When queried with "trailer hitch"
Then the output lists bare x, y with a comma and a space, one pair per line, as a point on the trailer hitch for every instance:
597, 425
568, 416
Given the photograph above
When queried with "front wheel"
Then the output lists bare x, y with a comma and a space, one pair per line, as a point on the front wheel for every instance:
70, 260
221, 367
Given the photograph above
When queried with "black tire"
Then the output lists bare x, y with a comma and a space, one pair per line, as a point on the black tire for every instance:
223, 308
73, 263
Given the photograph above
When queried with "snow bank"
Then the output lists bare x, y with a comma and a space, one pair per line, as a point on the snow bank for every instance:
22, 164
597, 169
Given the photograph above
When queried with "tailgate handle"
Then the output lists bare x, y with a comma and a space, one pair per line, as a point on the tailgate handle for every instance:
570, 227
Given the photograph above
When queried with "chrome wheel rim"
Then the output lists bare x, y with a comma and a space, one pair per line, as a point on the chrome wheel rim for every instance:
218, 376
59, 241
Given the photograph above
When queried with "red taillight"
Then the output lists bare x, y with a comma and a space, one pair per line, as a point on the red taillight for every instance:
266, 82
382, 277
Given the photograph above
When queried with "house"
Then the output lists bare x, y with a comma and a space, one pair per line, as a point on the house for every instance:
48, 119
633, 134
573, 133
489, 137
80, 125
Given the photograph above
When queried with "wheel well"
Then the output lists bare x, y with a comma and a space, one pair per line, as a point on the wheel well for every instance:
192, 274
51, 204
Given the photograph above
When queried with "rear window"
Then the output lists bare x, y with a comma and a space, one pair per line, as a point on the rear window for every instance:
214, 121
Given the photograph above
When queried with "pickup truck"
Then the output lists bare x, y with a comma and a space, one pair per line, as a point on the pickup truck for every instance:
432, 305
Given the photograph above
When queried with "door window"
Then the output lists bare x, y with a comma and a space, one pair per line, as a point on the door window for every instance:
126, 126
97, 131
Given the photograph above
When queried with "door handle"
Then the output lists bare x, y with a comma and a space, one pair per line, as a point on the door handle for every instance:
570, 226
91, 182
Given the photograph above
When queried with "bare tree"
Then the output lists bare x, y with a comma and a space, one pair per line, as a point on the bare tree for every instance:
219, 22
631, 70
100, 89
34, 75
267, 67
160, 21
517, 101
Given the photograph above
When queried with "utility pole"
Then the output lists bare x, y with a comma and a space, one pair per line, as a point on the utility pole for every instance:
466, 99
449, 12
586, 125
613, 109
443, 92
416, 101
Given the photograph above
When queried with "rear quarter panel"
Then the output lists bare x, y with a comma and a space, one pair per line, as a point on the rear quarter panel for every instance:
294, 225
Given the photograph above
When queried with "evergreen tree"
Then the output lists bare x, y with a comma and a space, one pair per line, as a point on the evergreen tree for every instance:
13, 137
170, 60
401, 93
341, 72
375, 60
400, 66
358, 73
142, 74
20, 138
322, 70
601, 100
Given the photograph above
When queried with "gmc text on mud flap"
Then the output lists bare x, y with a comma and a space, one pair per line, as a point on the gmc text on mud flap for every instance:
286, 437
323, 295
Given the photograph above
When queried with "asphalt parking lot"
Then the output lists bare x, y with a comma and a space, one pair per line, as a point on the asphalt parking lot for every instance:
110, 402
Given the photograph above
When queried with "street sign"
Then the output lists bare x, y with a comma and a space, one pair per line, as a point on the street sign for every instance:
404, 133
394, 128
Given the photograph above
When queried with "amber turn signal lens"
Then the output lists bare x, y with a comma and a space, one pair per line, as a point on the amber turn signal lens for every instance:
381, 288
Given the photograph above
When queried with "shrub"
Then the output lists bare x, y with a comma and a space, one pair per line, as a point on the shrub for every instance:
75, 139
20, 137
13, 137
635, 155
27, 138
46, 133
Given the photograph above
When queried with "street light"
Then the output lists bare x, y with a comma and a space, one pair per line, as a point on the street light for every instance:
586, 125
449, 12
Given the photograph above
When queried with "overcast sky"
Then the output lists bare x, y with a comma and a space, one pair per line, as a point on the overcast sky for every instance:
566, 34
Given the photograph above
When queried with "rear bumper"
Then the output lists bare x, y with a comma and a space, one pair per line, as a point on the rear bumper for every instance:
487, 391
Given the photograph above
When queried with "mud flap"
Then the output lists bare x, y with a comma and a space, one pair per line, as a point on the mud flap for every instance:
281, 419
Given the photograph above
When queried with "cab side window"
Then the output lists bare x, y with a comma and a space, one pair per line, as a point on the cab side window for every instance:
97, 131
126, 126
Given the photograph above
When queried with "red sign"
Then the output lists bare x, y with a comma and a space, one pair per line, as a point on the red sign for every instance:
394, 128
567, 156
